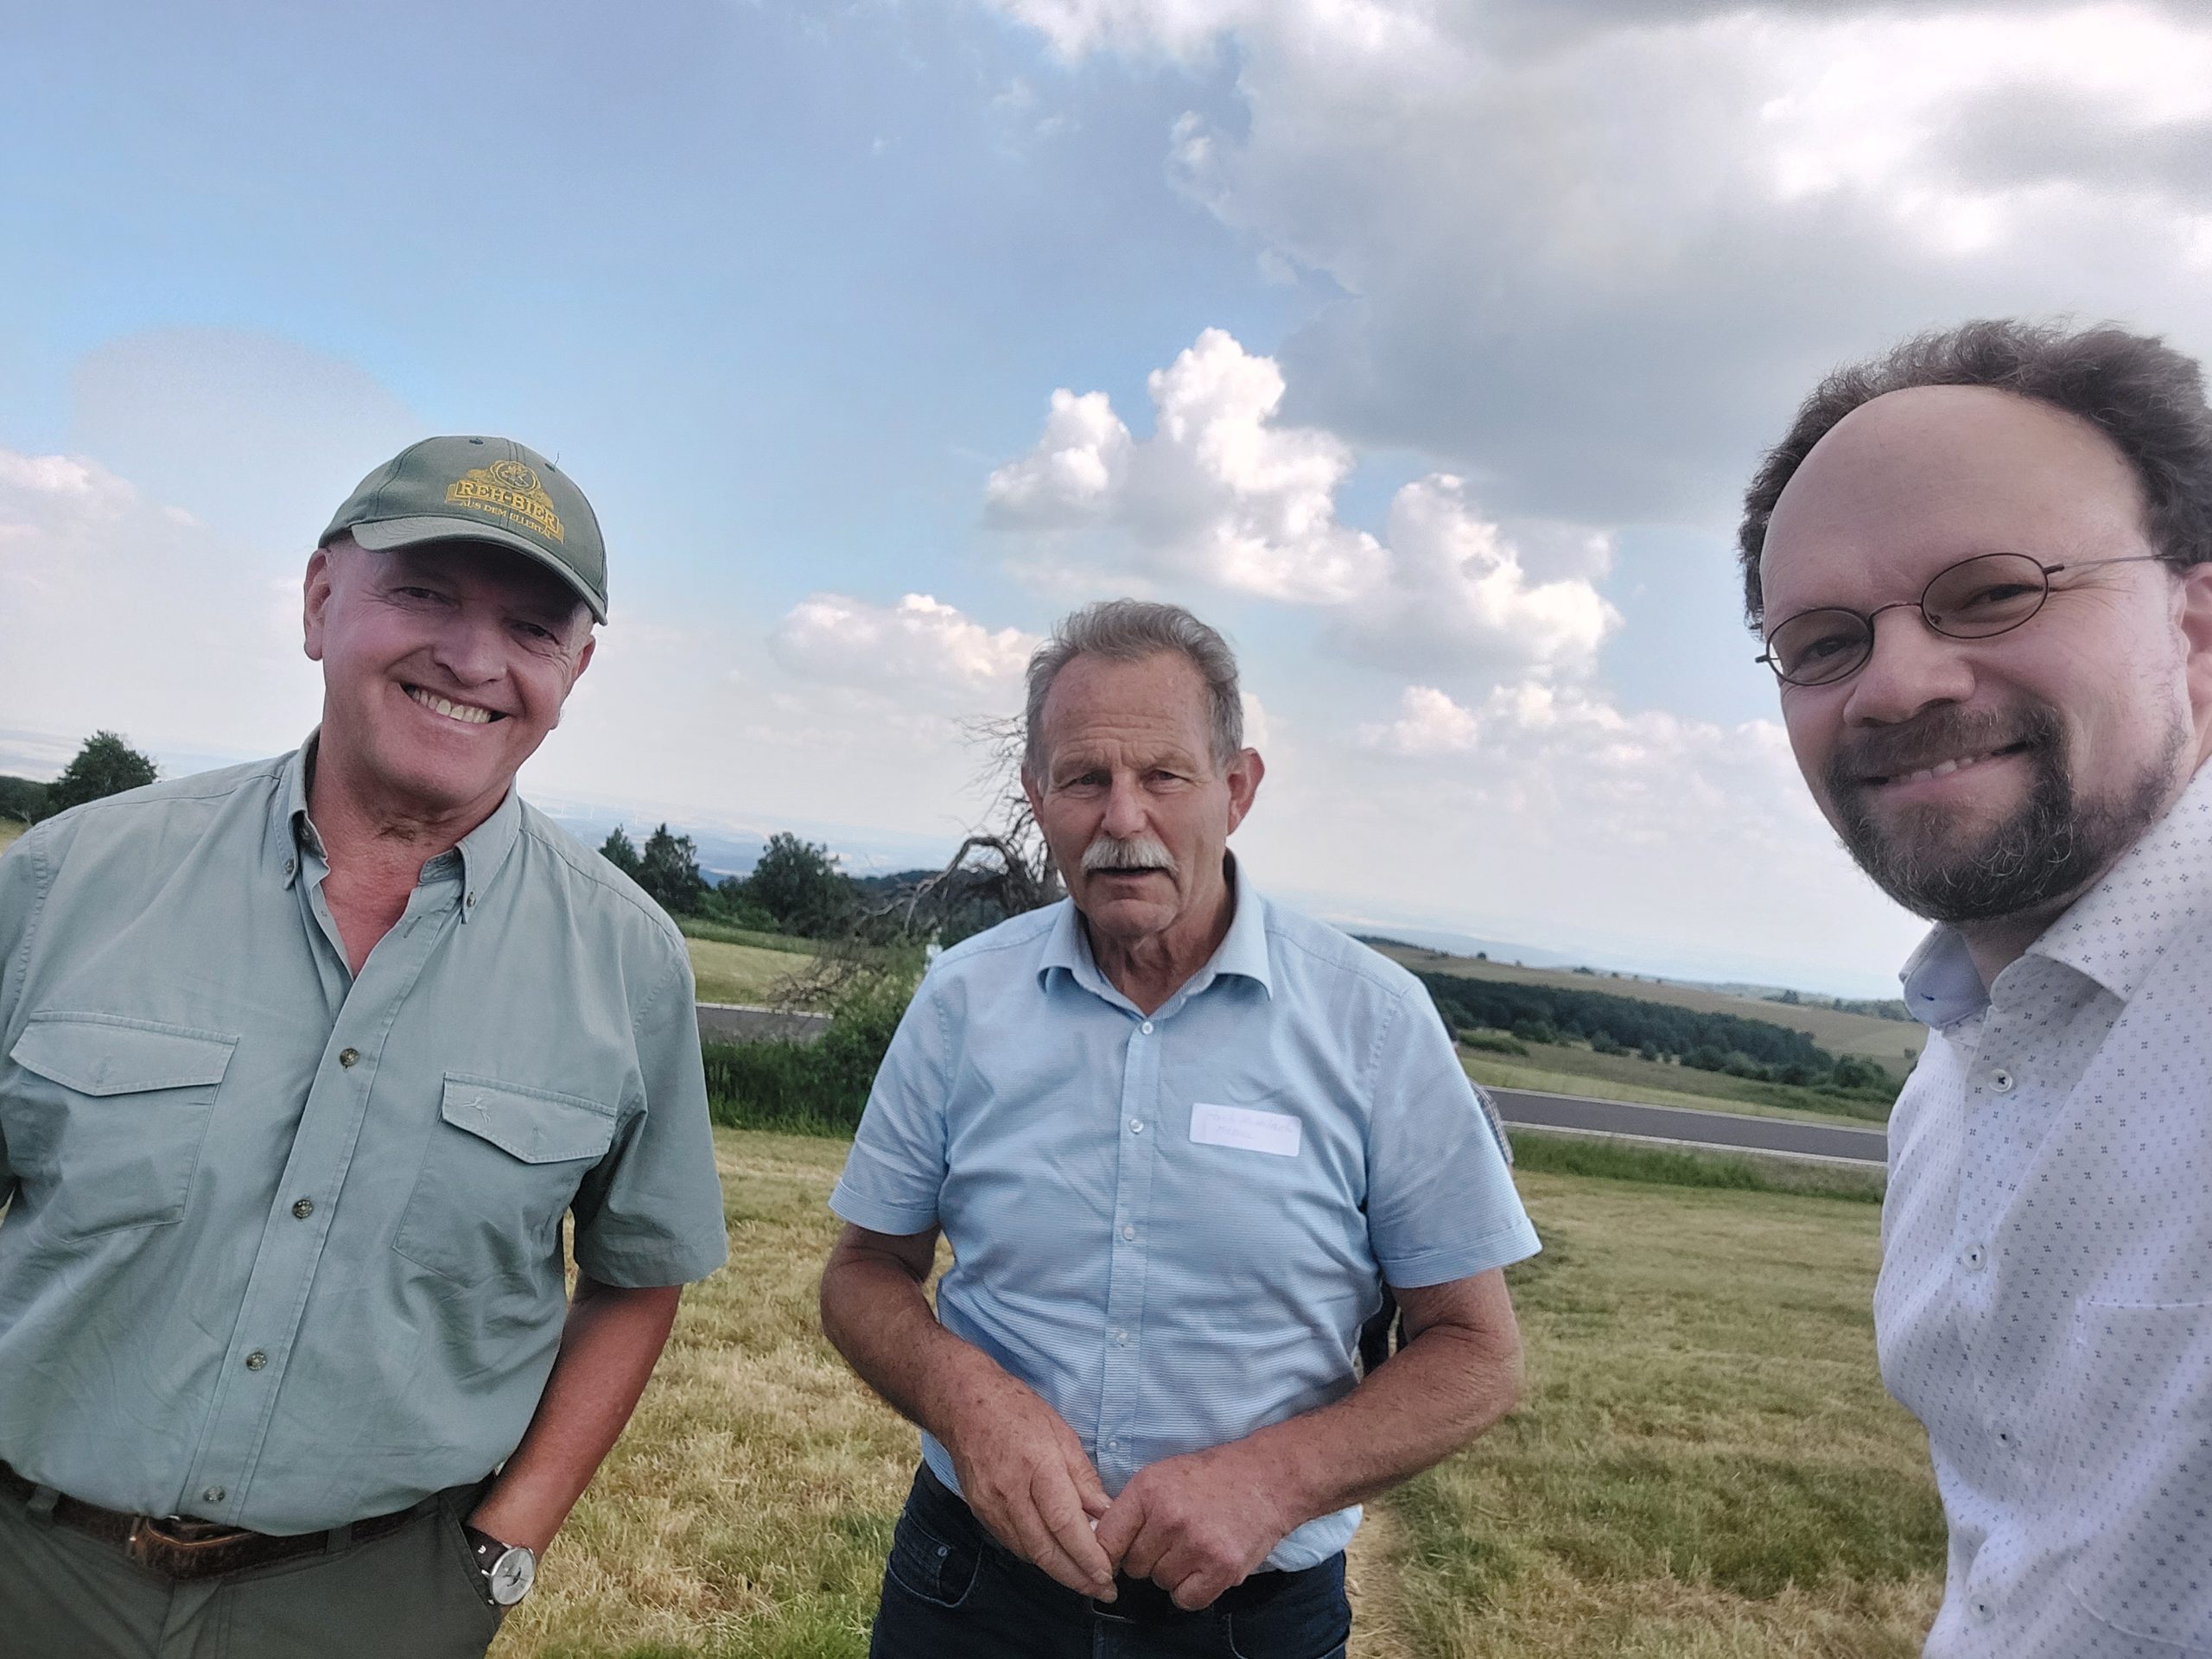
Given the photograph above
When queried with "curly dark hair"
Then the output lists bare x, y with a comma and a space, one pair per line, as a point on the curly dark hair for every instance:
2143, 394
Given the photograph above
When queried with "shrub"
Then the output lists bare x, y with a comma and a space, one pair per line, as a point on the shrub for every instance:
1493, 1042
817, 1087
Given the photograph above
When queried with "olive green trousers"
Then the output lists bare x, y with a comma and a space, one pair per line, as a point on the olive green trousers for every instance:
413, 1593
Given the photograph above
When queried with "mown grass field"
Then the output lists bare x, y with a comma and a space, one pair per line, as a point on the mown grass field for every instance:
10, 828
1565, 1068
1705, 1468
1893, 1042
740, 973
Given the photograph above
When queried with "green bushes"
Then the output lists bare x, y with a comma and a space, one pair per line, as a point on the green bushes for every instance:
811, 1087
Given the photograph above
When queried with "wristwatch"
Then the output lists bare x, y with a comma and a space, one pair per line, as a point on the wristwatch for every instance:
509, 1570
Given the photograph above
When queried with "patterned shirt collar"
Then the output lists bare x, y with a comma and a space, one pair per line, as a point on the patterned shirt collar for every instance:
2112, 935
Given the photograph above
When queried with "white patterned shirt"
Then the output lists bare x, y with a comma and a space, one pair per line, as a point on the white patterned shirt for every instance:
2046, 1300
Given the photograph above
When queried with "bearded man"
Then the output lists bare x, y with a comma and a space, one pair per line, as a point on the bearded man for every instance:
1980, 567
1178, 1137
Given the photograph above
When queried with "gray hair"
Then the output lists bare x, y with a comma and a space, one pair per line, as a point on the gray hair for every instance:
1128, 631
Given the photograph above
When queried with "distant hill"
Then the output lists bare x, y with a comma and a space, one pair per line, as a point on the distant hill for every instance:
1895, 1043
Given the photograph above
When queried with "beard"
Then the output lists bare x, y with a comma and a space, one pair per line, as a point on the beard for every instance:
2048, 849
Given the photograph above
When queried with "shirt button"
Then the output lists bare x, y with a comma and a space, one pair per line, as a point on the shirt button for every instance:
213, 1495
1145, 1027
1982, 1610
256, 1360
1136, 1126
303, 1209
2001, 1082
290, 865
2005, 1438
470, 900
1113, 1445
1974, 1258
347, 1056
1120, 1339
1128, 1232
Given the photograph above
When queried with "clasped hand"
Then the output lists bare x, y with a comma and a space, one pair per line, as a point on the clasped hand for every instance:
1195, 1525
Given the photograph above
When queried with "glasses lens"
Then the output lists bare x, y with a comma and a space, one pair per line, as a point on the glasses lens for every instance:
1983, 596
1814, 647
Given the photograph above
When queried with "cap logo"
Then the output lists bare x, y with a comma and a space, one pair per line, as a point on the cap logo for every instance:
508, 489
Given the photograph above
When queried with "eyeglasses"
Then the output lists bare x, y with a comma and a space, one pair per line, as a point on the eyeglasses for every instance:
1975, 599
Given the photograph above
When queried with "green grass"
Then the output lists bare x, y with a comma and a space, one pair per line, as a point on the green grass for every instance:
11, 830
1625, 1160
1705, 1466
1565, 1068
1893, 1042
740, 973
697, 928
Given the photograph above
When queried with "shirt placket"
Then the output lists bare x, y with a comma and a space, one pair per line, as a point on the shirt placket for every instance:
265, 1335
1120, 1390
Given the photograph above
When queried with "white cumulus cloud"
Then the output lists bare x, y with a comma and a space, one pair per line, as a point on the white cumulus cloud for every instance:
919, 647
1592, 251
1223, 493
1220, 493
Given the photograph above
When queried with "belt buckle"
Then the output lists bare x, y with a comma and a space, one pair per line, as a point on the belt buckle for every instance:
163, 1543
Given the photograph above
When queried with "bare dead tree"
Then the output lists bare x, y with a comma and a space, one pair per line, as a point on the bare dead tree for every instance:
1002, 864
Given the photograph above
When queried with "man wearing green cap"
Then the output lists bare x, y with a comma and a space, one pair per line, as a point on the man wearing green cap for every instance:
302, 1065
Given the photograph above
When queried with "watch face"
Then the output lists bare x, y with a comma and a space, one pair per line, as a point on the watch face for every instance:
511, 1575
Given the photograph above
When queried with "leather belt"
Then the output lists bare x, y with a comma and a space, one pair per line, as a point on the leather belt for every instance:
182, 1550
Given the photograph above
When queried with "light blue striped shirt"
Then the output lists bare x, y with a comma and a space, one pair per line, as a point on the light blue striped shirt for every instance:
1173, 1227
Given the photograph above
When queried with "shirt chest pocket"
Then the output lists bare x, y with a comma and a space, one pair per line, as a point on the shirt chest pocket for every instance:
502, 1164
2134, 1473
106, 1118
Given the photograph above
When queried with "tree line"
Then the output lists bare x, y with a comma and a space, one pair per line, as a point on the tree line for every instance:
103, 765
1711, 1042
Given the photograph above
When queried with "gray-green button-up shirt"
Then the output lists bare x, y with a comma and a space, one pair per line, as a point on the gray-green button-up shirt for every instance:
283, 1247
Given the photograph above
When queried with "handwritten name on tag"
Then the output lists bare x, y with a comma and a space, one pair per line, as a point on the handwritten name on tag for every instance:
1245, 1130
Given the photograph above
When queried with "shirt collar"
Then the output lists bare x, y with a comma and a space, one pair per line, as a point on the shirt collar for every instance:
1243, 951
1941, 984
482, 853
2103, 936
2117, 931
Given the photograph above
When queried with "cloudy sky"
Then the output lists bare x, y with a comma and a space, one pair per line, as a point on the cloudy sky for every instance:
1421, 345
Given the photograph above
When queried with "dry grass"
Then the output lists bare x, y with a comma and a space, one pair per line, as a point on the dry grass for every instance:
1705, 1468
10, 828
1893, 1042
1706, 1463
740, 973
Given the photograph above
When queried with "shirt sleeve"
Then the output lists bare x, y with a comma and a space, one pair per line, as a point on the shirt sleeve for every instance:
1440, 1201
895, 1172
23, 889
652, 1212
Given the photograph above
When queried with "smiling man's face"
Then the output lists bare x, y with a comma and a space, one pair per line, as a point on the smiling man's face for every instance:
444, 666
1983, 777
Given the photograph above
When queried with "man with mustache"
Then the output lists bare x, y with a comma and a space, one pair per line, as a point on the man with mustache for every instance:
1982, 565
306, 1062
1179, 1138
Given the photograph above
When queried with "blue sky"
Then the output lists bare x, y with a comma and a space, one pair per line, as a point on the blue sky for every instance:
1421, 347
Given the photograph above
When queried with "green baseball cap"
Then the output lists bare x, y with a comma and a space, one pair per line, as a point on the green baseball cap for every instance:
480, 490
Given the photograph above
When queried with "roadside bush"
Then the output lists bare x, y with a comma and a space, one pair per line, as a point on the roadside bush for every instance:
1535, 1031
1493, 1042
818, 1087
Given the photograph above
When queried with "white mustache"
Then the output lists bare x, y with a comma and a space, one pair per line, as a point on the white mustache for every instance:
1138, 853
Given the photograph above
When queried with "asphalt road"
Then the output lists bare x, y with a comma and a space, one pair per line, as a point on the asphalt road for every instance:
726, 1023
1773, 1134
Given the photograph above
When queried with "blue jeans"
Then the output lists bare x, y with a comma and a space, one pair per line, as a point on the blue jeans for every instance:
950, 1591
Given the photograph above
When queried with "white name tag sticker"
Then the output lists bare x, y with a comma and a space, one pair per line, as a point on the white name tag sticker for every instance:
1245, 1130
